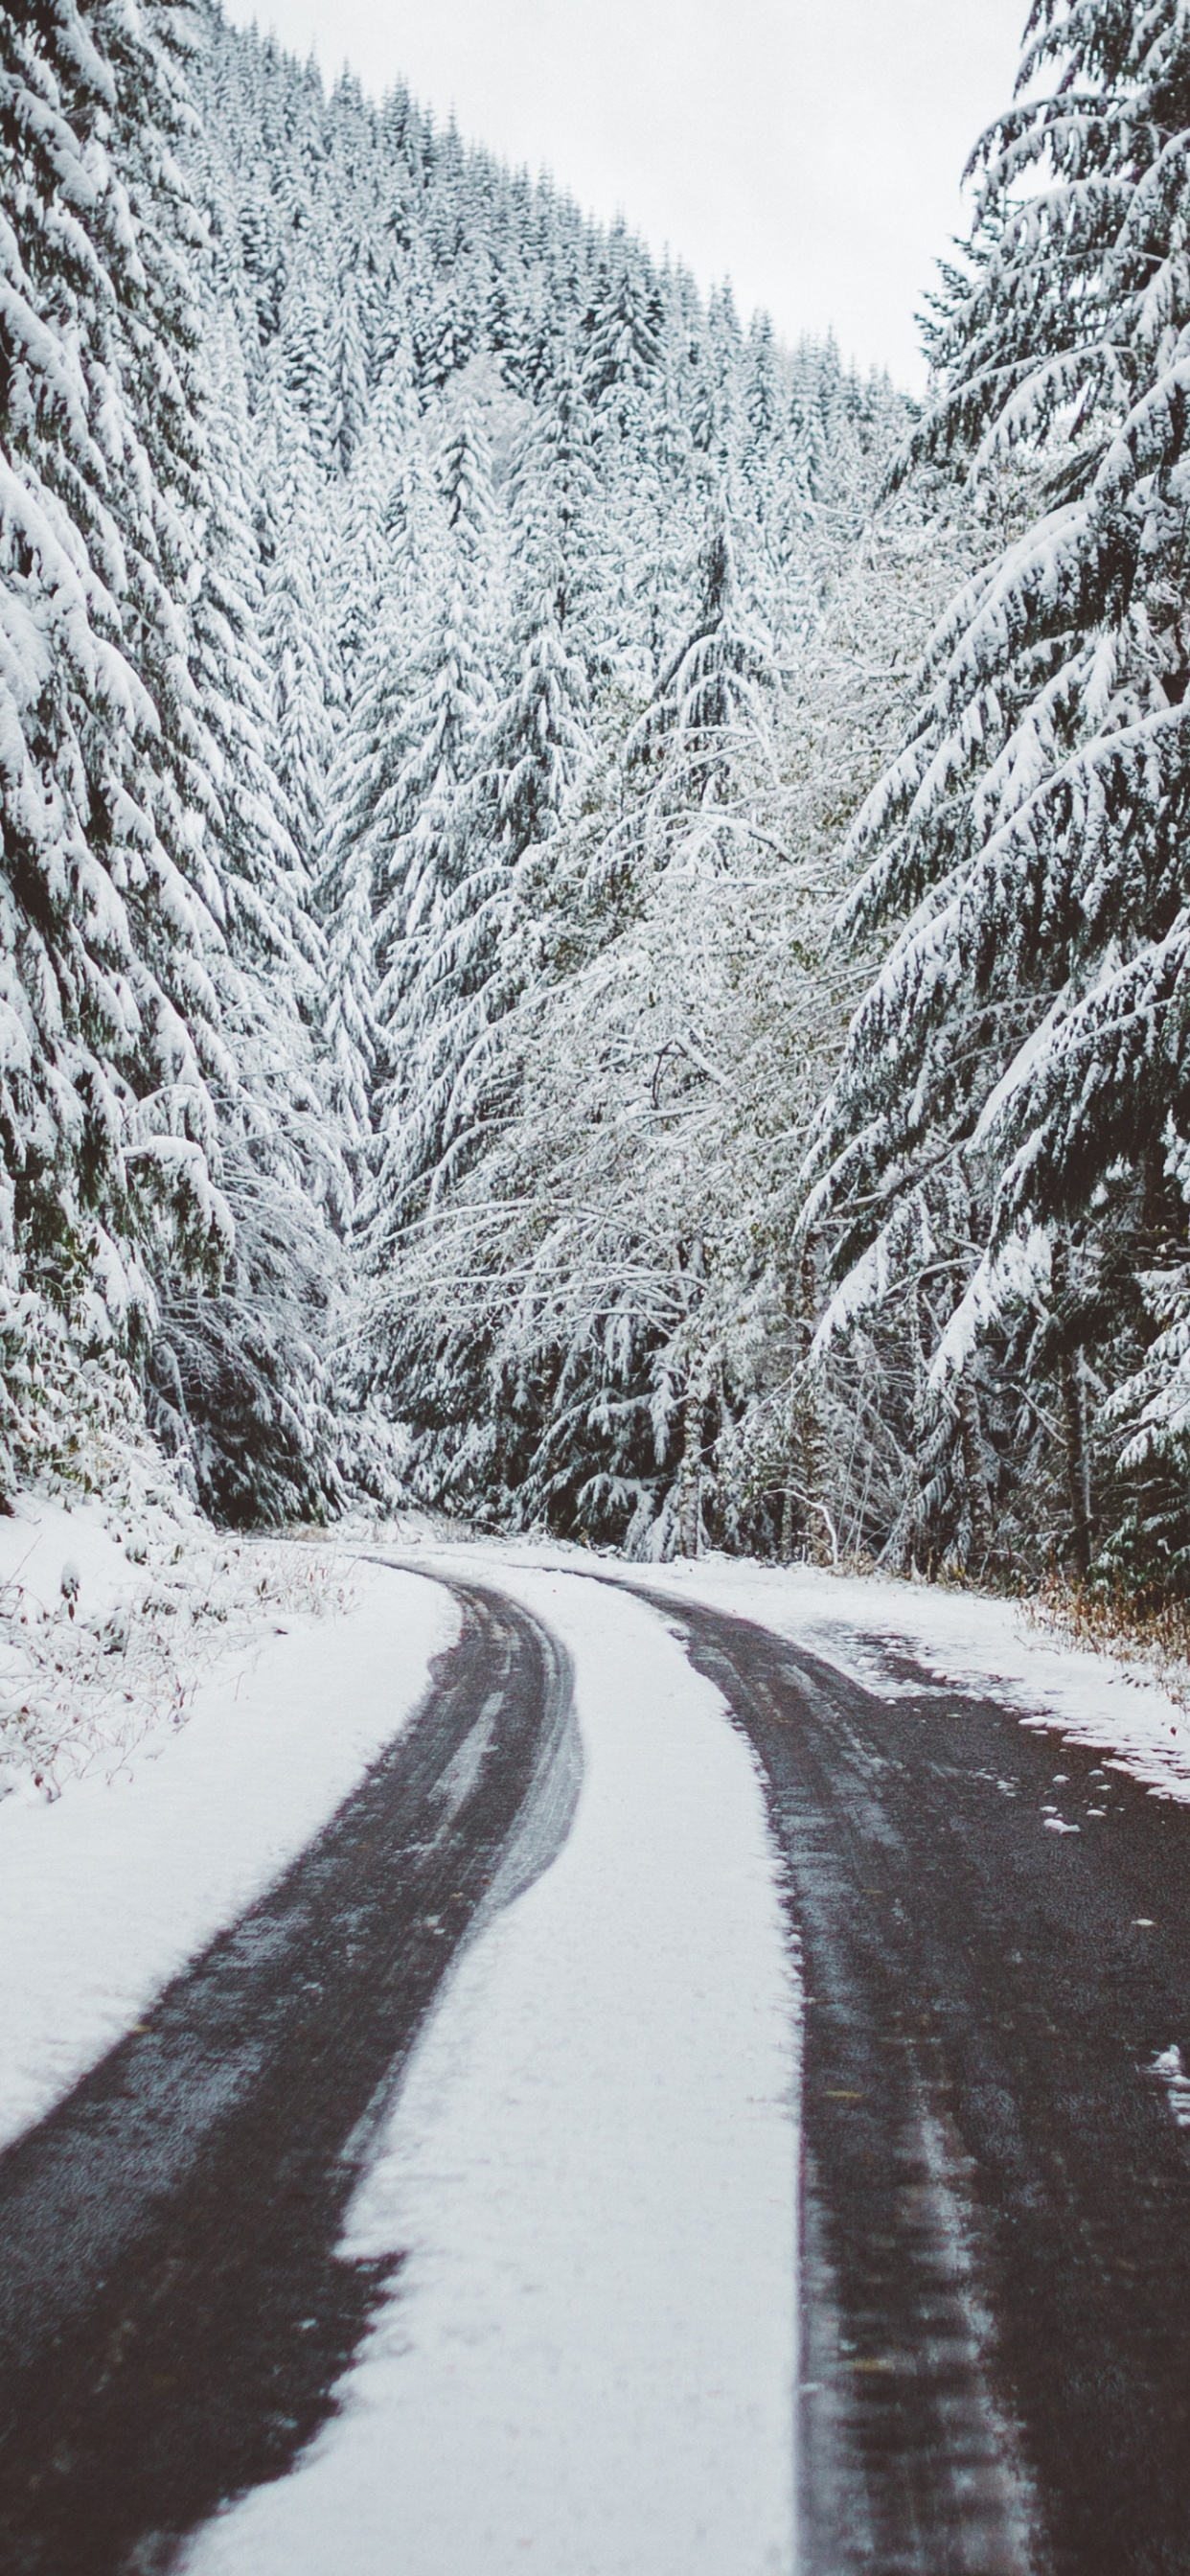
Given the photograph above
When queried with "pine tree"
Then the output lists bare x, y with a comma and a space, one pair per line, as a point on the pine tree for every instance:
293, 632
477, 798
554, 502
1029, 1024
623, 333
263, 262
385, 510
350, 1034
304, 358
238, 1379
465, 482
710, 698
109, 901
427, 822
348, 366
538, 741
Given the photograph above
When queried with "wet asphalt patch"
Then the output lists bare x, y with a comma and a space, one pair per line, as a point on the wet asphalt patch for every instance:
994, 1932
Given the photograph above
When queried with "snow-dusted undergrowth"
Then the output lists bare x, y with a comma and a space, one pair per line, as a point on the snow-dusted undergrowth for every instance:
114, 1603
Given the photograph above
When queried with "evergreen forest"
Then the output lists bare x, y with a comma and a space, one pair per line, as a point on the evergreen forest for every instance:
595, 911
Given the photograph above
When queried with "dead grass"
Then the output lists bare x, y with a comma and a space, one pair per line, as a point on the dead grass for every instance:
1153, 1637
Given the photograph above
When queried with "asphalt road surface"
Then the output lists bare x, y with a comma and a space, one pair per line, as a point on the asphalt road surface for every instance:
995, 1943
173, 2310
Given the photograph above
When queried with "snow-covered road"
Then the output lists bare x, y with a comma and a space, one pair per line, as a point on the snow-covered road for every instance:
588, 2362
572, 2262
588, 2357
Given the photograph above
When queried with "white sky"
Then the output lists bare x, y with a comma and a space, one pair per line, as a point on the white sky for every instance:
809, 149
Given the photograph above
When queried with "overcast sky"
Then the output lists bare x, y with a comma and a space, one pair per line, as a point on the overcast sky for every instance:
809, 149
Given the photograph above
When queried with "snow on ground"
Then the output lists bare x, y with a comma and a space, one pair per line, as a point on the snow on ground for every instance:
106, 1891
587, 2363
113, 1605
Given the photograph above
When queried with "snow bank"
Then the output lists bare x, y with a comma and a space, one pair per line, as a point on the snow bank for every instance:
587, 2364
113, 1605
108, 1890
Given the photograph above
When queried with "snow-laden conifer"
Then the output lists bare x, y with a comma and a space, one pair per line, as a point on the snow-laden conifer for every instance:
294, 632
385, 509
110, 902
238, 1377
710, 698
622, 328
1030, 1019
424, 789
556, 509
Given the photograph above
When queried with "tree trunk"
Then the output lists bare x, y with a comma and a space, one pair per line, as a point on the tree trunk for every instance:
979, 1500
1078, 1464
810, 1442
690, 1473
914, 1512
1074, 1419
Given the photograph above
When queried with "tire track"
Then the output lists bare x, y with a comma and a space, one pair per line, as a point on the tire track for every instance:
174, 2312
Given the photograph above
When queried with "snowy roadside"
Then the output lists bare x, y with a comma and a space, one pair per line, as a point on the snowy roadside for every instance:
113, 1606
587, 2361
160, 1840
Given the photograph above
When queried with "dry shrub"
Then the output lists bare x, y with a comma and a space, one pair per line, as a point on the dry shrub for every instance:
1152, 1635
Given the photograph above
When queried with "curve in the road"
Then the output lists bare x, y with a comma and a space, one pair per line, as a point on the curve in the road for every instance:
996, 2184
174, 2312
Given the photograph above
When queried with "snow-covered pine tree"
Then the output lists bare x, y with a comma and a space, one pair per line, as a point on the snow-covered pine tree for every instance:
487, 800
109, 901
1030, 1022
761, 389
238, 1380
654, 515
304, 355
413, 615
349, 1032
622, 329
429, 819
383, 528
717, 373
568, 545
465, 483
389, 540
294, 634
710, 699
538, 740
348, 367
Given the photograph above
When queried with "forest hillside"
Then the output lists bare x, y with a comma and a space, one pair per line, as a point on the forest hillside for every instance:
594, 917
